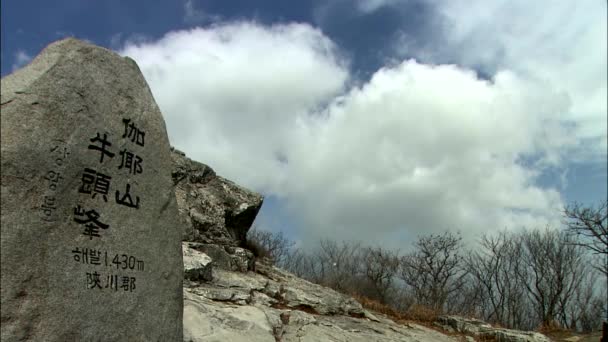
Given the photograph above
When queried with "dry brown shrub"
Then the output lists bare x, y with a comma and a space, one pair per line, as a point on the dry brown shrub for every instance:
421, 313
376, 306
551, 327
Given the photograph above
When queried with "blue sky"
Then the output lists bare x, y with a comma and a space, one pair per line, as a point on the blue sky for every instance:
367, 119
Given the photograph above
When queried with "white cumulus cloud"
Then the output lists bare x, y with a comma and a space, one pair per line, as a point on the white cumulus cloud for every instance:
418, 148
562, 44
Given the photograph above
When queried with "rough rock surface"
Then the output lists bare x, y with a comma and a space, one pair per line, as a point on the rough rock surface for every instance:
197, 265
485, 331
206, 320
274, 305
90, 247
276, 288
213, 210
226, 257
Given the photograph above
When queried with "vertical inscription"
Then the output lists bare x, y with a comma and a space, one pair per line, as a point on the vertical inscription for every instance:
59, 152
106, 271
100, 185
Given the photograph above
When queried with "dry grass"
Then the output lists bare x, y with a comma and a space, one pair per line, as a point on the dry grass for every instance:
417, 313
421, 313
376, 306
551, 327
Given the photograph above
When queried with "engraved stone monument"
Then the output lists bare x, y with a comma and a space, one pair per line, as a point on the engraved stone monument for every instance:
90, 250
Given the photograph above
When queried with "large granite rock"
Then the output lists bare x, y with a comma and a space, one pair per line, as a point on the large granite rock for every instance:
90, 246
213, 210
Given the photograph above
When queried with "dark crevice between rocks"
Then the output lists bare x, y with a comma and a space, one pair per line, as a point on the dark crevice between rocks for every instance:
356, 314
301, 307
277, 333
236, 222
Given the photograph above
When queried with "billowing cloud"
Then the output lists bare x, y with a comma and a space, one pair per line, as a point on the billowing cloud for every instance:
417, 148
561, 44
234, 95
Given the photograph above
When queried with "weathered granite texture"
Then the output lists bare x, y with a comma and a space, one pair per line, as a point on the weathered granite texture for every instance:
213, 210
90, 248
273, 305
485, 331
226, 257
197, 266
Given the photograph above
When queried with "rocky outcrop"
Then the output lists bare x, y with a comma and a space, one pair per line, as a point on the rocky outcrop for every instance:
276, 288
213, 210
274, 305
485, 331
208, 320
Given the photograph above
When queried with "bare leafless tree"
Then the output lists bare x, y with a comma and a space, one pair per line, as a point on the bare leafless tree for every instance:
434, 271
299, 263
492, 267
273, 244
581, 311
591, 225
517, 279
379, 267
337, 264
554, 270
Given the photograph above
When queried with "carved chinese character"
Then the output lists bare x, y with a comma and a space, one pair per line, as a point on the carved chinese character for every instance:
94, 183
112, 282
93, 280
91, 222
128, 284
126, 199
104, 143
135, 134
130, 161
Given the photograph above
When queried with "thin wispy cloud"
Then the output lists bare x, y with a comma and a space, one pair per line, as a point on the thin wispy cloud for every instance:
20, 59
195, 15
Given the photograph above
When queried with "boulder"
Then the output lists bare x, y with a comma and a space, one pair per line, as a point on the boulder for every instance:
90, 248
197, 265
213, 210
242, 260
227, 257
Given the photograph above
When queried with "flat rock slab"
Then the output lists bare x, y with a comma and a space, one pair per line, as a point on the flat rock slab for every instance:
90, 250
206, 320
